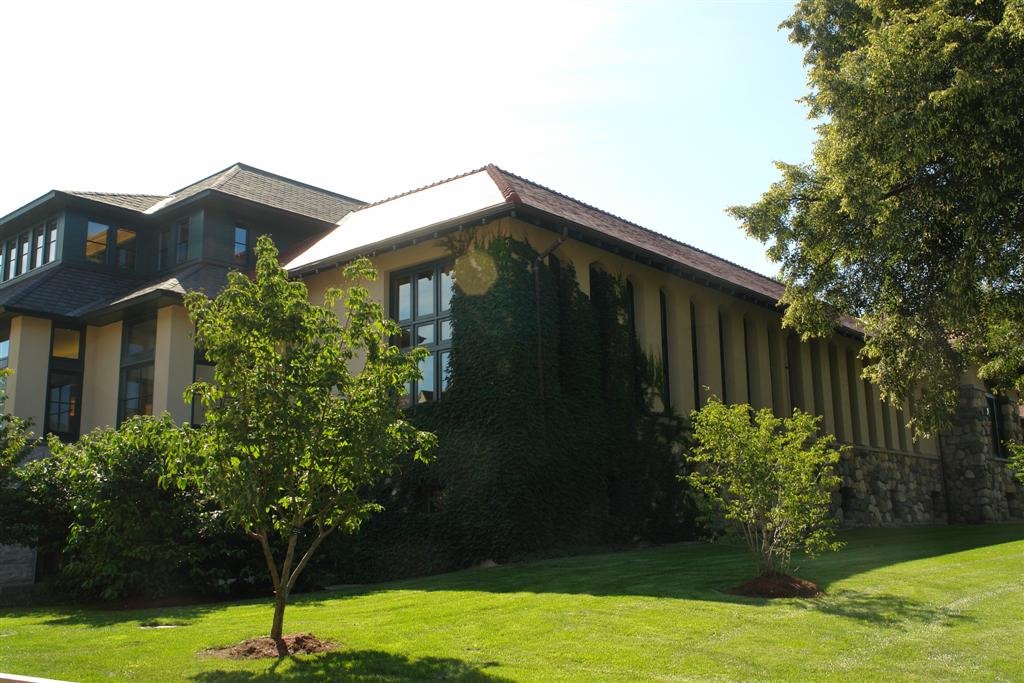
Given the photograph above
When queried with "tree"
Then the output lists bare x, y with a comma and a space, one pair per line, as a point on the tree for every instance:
303, 412
771, 478
1017, 459
910, 213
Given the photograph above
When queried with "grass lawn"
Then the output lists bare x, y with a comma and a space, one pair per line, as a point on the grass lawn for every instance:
905, 604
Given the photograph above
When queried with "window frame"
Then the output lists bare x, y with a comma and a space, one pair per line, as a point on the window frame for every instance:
134, 361
69, 367
246, 253
440, 349
108, 233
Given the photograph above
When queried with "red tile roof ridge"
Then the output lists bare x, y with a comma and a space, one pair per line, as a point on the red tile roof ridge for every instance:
628, 222
422, 188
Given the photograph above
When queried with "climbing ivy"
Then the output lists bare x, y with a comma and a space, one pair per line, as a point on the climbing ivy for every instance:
547, 437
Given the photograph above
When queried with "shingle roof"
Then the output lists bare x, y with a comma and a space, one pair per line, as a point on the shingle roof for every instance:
136, 202
245, 182
63, 290
523, 192
204, 277
260, 186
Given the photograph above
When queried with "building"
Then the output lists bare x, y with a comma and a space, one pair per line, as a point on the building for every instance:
92, 325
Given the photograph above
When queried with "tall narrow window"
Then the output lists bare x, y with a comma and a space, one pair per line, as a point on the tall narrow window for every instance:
854, 386
125, 241
96, 240
421, 303
25, 245
631, 306
995, 428
666, 386
39, 247
184, 235
746, 358
695, 359
137, 350
869, 403
12, 259
51, 241
241, 248
163, 249
64, 384
721, 359
794, 374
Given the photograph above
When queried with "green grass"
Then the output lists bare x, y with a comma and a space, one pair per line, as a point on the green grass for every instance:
907, 604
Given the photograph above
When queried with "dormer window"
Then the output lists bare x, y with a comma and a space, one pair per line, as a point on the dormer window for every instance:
125, 249
96, 238
241, 247
181, 248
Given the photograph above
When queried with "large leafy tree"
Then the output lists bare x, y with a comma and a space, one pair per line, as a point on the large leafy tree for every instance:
303, 414
910, 213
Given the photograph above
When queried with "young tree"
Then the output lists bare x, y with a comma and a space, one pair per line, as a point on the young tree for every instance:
294, 435
910, 214
771, 478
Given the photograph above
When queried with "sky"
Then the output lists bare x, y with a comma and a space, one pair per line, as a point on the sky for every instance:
664, 113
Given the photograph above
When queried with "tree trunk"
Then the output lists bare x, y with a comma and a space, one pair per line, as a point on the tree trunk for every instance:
277, 629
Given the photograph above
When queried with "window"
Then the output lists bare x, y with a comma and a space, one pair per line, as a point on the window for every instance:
665, 385
241, 247
96, 238
421, 303
66, 343
5, 352
64, 384
25, 246
12, 260
694, 358
51, 237
181, 248
39, 246
995, 428
164, 248
137, 349
125, 249
63, 395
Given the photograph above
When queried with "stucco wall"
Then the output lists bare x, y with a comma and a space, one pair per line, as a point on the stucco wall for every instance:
823, 376
173, 363
101, 376
30, 361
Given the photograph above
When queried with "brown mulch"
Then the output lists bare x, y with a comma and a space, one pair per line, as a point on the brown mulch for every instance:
261, 648
779, 586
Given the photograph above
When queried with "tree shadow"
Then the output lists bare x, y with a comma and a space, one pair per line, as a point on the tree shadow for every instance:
362, 665
891, 611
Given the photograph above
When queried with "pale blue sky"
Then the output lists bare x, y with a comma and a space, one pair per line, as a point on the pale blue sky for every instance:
663, 113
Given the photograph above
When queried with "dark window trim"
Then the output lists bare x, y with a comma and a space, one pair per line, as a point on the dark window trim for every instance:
66, 366
439, 348
132, 361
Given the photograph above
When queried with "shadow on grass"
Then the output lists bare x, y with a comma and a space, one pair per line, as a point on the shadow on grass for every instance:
886, 610
363, 665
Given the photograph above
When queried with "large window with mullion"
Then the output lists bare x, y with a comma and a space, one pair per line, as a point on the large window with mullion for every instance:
138, 345
421, 303
64, 384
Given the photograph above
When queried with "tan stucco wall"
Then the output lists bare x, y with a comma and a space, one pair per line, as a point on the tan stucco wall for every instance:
173, 362
101, 377
30, 361
750, 332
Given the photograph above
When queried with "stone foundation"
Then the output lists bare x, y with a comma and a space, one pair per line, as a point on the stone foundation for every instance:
17, 569
980, 486
880, 488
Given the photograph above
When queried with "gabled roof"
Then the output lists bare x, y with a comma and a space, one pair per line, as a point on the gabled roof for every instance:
253, 184
489, 190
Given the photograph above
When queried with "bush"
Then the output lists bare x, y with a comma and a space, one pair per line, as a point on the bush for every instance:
105, 529
771, 478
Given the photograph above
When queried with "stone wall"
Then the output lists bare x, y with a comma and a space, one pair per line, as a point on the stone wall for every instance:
980, 486
881, 488
17, 569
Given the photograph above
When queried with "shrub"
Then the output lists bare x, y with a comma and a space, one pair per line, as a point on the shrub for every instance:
771, 478
107, 530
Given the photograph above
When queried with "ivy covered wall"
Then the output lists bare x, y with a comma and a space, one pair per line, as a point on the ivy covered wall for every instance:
548, 438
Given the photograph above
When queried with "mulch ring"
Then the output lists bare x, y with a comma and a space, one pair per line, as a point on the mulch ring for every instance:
262, 648
779, 586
